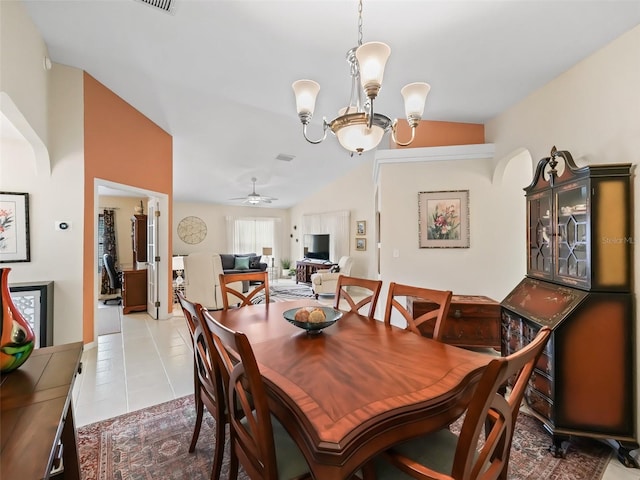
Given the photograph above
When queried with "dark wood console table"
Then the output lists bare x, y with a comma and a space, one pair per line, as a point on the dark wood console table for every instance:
305, 268
37, 428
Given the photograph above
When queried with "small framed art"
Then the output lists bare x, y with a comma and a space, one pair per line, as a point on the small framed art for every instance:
361, 244
361, 227
443, 219
14, 227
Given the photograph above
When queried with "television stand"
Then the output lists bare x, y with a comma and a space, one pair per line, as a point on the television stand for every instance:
306, 268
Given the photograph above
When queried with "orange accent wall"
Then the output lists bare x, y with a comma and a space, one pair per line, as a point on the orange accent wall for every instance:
439, 134
120, 145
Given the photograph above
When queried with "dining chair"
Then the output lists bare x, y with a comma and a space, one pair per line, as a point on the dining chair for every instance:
442, 298
444, 455
257, 439
372, 287
208, 387
261, 278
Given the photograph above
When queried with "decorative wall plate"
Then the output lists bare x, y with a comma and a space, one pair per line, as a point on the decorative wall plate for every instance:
192, 230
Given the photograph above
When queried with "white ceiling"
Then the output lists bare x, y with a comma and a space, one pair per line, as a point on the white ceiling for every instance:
217, 74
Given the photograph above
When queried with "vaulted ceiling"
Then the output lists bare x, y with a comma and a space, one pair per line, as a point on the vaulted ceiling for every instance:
217, 74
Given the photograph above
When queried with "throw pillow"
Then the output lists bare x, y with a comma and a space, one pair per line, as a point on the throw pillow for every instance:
254, 262
242, 263
335, 269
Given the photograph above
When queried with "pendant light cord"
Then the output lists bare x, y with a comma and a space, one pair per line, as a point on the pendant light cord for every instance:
360, 23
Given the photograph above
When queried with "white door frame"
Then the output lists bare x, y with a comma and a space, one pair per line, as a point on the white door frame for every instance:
163, 238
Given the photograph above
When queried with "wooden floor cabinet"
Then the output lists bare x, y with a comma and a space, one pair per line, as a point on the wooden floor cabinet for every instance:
134, 291
579, 270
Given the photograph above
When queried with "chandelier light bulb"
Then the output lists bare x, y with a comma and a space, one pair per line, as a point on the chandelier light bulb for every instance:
372, 58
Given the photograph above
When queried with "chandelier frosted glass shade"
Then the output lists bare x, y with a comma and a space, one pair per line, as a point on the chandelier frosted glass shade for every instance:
372, 58
353, 131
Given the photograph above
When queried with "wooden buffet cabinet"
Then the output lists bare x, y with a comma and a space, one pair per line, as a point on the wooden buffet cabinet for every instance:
578, 283
472, 321
38, 438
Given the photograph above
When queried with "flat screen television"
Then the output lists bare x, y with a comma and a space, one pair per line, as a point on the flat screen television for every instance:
316, 246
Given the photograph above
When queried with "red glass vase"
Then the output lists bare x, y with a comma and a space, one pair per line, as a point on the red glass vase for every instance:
16, 335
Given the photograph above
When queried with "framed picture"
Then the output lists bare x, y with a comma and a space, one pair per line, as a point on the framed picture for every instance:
361, 244
361, 227
443, 219
14, 227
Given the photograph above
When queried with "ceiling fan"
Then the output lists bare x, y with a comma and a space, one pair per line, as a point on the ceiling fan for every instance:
255, 198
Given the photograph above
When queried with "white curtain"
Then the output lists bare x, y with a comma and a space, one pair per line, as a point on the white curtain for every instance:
252, 234
336, 224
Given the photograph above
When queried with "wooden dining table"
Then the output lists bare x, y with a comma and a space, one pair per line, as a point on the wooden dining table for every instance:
358, 387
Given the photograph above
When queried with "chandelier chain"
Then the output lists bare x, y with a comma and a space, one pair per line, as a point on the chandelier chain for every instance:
360, 23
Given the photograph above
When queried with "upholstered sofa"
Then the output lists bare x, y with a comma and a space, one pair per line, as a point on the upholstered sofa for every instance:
237, 263
202, 280
325, 282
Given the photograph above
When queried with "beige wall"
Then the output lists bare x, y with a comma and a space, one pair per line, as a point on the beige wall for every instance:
493, 263
592, 110
55, 255
353, 192
214, 217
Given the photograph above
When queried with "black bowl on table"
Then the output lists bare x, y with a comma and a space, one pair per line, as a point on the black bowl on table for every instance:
332, 315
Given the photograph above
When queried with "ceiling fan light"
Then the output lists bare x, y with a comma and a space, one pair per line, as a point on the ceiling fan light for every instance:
415, 96
372, 58
306, 92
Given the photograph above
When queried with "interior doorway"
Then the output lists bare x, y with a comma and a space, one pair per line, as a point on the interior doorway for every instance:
110, 192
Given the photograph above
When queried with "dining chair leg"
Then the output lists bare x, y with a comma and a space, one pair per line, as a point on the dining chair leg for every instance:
233, 464
219, 450
196, 429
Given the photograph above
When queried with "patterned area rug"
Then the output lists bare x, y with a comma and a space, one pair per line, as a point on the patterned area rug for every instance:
278, 293
153, 444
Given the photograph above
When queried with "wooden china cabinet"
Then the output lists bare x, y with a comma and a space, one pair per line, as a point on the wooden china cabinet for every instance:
579, 271
139, 238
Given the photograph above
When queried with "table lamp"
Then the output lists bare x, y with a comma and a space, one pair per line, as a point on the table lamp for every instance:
177, 265
268, 252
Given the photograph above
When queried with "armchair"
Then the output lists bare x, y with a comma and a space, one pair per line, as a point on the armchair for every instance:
326, 282
202, 280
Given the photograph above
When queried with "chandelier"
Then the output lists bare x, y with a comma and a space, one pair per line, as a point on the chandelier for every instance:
357, 127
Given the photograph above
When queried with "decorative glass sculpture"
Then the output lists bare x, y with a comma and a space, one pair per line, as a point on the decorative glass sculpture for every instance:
16, 335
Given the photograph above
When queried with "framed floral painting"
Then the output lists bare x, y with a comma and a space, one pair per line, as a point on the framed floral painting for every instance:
14, 227
443, 219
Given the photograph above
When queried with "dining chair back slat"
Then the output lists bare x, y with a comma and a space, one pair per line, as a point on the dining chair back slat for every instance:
208, 387
261, 279
372, 287
441, 298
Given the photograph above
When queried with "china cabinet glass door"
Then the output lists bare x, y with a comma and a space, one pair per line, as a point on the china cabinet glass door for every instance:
540, 235
572, 256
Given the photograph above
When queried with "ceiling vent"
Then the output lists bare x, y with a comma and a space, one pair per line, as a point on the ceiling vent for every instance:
164, 5
285, 157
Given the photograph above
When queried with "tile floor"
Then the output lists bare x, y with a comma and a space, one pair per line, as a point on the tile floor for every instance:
149, 362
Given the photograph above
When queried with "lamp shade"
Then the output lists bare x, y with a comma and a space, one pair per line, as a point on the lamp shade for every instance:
267, 251
306, 92
372, 58
359, 138
415, 96
177, 263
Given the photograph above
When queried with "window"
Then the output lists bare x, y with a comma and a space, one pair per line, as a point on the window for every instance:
251, 234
